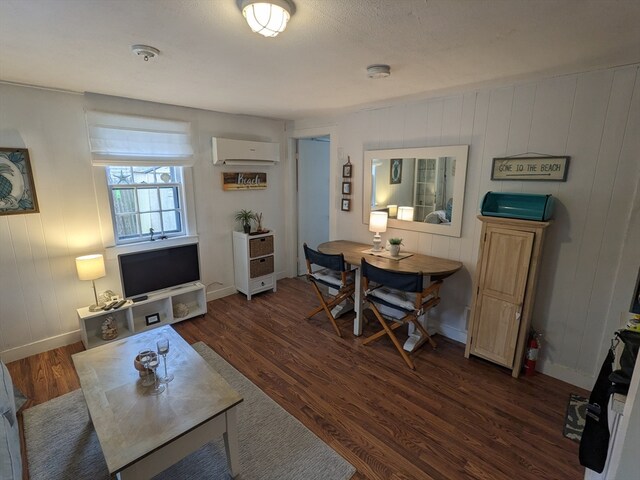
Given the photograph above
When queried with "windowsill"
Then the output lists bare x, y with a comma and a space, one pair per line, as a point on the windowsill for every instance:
111, 253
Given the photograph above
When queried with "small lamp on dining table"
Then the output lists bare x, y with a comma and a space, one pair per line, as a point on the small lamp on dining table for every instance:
91, 267
378, 225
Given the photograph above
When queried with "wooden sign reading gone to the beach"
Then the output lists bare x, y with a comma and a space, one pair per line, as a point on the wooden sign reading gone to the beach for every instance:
244, 181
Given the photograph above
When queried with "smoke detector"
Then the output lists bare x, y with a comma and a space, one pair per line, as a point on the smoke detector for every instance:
145, 51
378, 71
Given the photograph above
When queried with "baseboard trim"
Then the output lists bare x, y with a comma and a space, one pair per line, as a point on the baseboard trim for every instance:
40, 346
23, 351
574, 377
560, 372
451, 332
221, 292
230, 290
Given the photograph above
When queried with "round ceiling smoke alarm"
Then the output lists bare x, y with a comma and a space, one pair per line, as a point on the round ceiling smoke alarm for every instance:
378, 71
145, 51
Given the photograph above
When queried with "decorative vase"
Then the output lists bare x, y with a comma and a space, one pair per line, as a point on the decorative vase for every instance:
106, 297
109, 329
142, 372
180, 310
247, 228
394, 250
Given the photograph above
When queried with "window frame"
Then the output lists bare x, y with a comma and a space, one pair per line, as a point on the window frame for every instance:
182, 209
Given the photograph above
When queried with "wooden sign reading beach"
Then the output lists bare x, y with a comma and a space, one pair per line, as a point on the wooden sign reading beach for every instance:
243, 181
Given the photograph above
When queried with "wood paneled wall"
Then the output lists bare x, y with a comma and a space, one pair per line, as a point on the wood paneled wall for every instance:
39, 288
592, 117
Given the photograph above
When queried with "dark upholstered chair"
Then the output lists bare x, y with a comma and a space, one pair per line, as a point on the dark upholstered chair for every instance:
329, 272
403, 295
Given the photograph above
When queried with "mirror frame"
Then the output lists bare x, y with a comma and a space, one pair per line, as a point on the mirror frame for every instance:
459, 152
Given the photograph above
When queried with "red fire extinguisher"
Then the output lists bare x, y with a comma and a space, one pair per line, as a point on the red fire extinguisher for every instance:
532, 354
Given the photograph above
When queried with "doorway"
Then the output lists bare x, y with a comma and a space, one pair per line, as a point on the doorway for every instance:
313, 166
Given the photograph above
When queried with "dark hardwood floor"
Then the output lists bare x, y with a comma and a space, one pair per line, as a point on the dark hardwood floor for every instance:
452, 418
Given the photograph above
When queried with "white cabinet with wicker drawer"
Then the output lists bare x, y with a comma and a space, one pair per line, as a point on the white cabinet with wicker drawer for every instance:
254, 260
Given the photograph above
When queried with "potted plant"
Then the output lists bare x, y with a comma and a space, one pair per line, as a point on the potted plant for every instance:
245, 217
394, 248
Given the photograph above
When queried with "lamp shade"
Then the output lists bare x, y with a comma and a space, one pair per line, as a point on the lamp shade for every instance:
378, 222
405, 213
393, 210
90, 267
267, 17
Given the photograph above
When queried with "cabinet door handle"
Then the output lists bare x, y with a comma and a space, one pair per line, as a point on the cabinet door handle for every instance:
518, 316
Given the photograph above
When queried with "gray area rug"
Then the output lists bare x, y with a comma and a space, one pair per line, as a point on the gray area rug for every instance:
61, 442
574, 419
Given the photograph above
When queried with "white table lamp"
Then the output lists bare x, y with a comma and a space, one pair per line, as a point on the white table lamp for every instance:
91, 267
378, 225
405, 213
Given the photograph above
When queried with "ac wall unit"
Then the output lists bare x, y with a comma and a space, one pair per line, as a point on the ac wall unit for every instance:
243, 152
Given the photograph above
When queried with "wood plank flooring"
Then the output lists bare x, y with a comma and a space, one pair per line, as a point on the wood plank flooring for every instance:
452, 418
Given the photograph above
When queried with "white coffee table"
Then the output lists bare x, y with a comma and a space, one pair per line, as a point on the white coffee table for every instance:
141, 435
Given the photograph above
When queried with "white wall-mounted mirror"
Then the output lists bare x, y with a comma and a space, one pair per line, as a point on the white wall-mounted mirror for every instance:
422, 189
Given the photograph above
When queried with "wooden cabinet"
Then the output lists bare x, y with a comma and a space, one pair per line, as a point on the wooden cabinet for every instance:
504, 290
254, 261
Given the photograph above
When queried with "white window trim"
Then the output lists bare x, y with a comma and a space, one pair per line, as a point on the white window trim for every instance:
111, 253
137, 186
106, 220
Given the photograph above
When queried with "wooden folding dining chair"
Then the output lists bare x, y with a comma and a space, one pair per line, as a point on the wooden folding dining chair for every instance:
326, 272
403, 299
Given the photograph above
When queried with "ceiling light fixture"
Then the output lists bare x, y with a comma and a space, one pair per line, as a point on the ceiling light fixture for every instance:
267, 17
378, 71
145, 51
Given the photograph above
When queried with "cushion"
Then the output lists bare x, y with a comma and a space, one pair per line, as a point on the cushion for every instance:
10, 460
393, 297
404, 300
331, 277
438, 216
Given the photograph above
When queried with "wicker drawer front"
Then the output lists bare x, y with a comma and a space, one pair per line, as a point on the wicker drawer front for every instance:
260, 267
260, 246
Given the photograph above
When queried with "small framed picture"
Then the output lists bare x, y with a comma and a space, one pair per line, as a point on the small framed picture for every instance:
346, 170
395, 176
346, 205
153, 318
346, 188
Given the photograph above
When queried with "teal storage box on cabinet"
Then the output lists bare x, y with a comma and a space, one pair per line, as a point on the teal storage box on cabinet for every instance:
526, 206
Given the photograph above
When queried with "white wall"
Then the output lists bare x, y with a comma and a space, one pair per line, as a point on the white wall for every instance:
593, 117
39, 289
590, 260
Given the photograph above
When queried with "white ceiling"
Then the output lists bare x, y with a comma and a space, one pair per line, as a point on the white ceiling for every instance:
210, 59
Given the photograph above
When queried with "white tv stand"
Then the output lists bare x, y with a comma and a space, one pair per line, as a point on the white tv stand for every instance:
131, 318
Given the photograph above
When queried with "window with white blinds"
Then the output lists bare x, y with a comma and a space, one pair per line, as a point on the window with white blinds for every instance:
143, 159
116, 139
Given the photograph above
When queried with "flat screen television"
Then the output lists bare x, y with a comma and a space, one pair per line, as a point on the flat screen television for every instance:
152, 270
